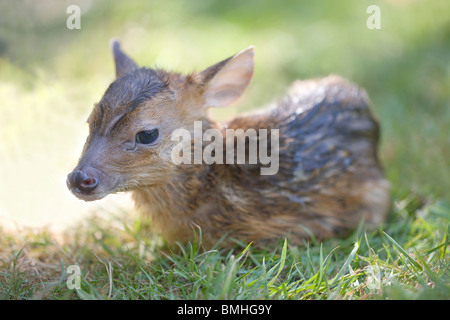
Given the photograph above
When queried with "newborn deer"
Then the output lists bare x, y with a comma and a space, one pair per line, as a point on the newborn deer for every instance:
327, 179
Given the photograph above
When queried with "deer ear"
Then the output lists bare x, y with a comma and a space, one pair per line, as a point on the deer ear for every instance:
225, 81
123, 63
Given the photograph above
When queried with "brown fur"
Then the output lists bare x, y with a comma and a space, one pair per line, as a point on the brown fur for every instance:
329, 178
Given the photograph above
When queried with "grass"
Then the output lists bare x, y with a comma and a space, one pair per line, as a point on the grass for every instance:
50, 77
119, 259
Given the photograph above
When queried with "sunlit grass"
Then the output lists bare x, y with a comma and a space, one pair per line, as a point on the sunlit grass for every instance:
50, 77
120, 259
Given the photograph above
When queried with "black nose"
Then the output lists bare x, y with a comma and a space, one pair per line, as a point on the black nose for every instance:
80, 181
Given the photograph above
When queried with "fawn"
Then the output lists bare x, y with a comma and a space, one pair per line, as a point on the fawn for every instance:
329, 178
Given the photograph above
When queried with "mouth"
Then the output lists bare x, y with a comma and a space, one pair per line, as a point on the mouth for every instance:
91, 196
88, 197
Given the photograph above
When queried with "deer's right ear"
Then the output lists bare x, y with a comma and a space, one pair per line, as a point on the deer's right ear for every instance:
123, 63
225, 81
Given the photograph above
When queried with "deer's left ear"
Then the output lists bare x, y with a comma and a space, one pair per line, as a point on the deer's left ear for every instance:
123, 63
225, 81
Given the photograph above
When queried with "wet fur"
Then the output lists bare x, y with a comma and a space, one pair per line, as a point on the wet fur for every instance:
328, 182
329, 179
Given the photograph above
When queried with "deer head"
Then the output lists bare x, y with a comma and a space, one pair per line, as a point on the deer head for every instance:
129, 143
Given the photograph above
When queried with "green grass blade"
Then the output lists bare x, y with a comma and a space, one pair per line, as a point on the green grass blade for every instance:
403, 252
280, 263
346, 264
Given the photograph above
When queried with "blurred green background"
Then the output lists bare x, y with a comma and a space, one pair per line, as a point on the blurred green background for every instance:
50, 77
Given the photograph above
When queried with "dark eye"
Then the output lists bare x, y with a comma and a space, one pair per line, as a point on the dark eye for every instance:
147, 137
